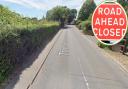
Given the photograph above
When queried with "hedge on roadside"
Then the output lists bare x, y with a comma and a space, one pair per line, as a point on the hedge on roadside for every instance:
85, 25
17, 43
78, 24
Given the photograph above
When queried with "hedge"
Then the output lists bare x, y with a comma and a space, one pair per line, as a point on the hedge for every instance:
17, 43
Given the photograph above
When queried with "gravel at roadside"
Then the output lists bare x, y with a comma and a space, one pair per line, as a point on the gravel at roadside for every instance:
119, 57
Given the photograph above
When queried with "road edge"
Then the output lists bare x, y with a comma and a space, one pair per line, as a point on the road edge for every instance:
55, 39
28, 75
116, 61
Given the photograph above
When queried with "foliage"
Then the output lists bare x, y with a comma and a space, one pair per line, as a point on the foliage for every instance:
20, 36
87, 8
124, 3
85, 16
61, 14
78, 22
72, 15
86, 26
83, 25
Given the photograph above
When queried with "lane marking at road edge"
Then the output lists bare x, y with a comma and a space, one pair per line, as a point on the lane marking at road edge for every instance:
45, 60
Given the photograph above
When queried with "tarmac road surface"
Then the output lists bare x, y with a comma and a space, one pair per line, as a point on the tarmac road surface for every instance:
75, 62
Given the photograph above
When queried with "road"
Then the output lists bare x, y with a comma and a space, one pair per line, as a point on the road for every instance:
75, 62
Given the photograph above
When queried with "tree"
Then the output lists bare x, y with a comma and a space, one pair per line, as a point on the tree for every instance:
87, 8
61, 14
72, 15
124, 3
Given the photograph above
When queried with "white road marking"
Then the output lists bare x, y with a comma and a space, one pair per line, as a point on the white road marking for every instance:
85, 79
63, 54
64, 51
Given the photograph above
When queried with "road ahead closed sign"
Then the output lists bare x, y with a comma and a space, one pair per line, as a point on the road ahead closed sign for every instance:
109, 23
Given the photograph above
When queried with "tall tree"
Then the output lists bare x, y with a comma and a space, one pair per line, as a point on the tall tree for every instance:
87, 8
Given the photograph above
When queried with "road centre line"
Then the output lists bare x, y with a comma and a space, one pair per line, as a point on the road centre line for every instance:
85, 79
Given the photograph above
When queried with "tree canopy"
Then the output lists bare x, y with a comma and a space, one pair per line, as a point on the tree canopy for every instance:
124, 3
72, 15
61, 14
87, 8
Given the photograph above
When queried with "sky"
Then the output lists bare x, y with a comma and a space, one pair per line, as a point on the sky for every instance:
38, 8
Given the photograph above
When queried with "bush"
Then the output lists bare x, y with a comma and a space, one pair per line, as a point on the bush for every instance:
78, 24
83, 26
87, 28
86, 25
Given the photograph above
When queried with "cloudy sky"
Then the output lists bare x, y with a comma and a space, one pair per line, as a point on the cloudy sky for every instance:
38, 8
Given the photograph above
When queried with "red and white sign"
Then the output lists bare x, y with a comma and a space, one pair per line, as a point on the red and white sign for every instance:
109, 22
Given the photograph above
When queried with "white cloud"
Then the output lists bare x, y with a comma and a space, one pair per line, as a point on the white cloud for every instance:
16, 2
73, 3
29, 3
34, 4
47, 4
